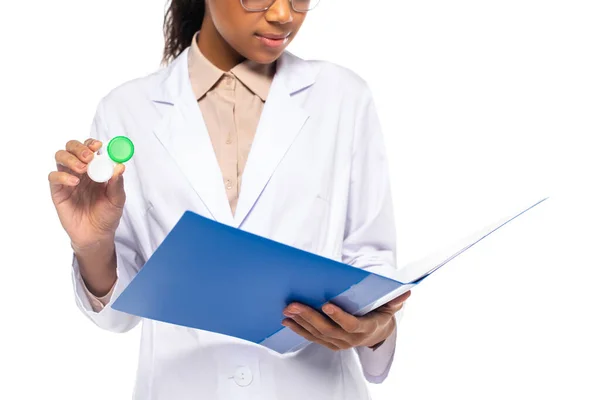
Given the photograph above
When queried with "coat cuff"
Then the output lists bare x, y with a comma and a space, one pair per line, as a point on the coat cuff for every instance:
86, 300
103, 315
97, 303
376, 364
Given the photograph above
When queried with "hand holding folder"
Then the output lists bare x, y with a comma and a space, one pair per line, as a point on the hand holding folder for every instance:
193, 279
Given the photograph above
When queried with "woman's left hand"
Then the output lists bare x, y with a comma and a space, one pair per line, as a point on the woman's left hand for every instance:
340, 330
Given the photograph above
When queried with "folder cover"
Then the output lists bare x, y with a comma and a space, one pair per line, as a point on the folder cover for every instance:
214, 277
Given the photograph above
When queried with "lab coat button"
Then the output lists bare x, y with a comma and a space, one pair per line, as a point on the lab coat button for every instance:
243, 376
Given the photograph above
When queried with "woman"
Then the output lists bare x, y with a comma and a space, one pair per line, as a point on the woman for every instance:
304, 136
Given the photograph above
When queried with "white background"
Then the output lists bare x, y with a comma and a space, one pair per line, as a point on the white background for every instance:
487, 107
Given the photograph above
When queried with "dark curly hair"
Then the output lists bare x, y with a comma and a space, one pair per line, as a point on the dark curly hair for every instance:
182, 19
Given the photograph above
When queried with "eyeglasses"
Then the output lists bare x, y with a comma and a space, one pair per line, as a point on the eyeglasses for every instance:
264, 5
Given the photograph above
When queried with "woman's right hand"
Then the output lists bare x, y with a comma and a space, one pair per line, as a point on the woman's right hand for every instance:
89, 211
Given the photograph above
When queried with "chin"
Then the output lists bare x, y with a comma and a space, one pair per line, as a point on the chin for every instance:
263, 57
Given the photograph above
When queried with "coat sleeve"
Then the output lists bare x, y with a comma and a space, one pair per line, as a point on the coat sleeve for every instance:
370, 233
129, 260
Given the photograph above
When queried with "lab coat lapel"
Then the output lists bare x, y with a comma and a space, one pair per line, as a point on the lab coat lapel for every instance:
281, 120
183, 133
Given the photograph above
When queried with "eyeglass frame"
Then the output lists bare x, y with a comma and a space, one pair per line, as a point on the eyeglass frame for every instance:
273, 2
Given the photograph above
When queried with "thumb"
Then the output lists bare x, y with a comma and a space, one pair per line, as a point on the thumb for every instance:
396, 304
115, 189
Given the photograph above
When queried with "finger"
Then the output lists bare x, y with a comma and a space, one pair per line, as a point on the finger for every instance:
93, 144
294, 326
118, 172
347, 322
323, 325
70, 161
82, 151
336, 338
115, 187
395, 305
58, 179
376, 319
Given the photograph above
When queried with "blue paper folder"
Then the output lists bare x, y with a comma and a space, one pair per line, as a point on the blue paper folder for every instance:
210, 276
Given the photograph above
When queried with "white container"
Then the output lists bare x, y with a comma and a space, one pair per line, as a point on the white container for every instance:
101, 168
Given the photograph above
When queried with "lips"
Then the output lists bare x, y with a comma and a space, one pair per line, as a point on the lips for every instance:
274, 41
274, 36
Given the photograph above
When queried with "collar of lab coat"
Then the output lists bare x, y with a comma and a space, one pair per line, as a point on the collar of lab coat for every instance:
182, 131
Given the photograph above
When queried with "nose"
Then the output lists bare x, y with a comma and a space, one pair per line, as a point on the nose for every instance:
280, 12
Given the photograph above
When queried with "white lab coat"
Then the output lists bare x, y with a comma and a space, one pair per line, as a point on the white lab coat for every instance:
316, 179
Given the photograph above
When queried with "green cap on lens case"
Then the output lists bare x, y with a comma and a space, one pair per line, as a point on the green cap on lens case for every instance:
118, 151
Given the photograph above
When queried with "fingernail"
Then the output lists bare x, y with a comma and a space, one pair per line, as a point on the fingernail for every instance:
80, 164
74, 179
293, 310
328, 309
86, 153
